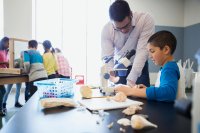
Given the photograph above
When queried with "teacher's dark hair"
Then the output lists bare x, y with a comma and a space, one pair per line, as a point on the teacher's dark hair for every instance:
119, 10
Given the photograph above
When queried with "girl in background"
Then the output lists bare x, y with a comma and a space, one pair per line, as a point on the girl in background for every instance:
49, 59
64, 69
4, 45
18, 64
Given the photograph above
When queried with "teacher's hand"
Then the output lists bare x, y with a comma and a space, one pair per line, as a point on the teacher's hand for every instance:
130, 83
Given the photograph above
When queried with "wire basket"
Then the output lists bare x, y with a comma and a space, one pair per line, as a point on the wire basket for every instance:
56, 88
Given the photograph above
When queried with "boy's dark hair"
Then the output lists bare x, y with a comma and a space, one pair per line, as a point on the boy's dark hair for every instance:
2, 42
119, 10
162, 38
33, 44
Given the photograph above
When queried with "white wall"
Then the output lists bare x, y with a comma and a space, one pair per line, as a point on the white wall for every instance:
1, 18
18, 18
18, 14
191, 12
165, 12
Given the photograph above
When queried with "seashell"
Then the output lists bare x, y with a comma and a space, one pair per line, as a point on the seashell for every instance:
110, 125
86, 91
122, 130
120, 97
138, 103
55, 102
131, 109
124, 122
145, 116
139, 122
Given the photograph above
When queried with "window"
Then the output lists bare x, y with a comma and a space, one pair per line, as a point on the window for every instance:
75, 27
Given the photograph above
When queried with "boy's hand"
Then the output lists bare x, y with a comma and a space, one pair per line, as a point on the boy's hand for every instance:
140, 86
127, 90
22, 71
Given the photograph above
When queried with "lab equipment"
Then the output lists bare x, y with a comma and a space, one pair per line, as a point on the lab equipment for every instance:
106, 76
123, 63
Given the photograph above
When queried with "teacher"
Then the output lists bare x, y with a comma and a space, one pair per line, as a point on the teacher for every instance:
126, 31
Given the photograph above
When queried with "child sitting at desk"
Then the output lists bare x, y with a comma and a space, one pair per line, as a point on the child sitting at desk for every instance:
161, 46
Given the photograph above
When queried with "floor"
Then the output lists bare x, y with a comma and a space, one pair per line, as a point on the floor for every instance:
11, 109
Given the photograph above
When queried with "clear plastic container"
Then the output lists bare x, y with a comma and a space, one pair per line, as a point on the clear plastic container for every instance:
56, 88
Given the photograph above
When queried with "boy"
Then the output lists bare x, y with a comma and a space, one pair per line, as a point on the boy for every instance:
33, 65
161, 46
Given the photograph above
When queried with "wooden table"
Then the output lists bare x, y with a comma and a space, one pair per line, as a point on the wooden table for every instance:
33, 119
12, 78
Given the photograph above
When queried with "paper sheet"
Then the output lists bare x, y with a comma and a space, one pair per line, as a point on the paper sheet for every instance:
104, 104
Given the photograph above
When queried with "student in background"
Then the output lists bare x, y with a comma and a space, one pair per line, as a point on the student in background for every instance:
18, 64
64, 69
161, 46
4, 45
50, 63
8, 89
33, 65
27, 92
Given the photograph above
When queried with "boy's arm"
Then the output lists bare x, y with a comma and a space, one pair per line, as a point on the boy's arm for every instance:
168, 87
132, 91
26, 62
26, 68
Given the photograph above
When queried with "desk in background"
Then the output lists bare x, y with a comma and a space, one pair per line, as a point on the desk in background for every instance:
32, 119
12, 78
